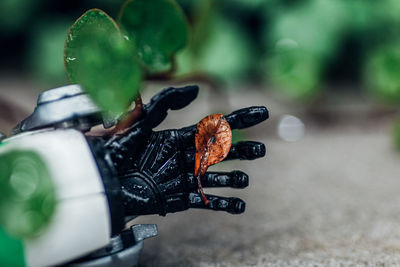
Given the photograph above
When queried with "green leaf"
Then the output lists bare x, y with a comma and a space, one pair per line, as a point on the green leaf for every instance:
158, 29
224, 52
98, 58
295, 72
303, 41
382, 73
27, 194
316, 26
249, 3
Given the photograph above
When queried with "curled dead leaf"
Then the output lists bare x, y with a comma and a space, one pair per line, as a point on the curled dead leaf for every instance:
213, 142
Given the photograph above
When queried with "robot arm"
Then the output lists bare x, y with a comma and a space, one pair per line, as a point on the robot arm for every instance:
52, 198
155, 169
104, 180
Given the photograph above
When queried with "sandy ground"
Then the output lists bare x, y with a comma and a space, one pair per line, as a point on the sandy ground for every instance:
329, 199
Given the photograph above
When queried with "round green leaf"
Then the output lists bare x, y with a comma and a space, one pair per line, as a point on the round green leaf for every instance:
157, 27
27, 194
99, 59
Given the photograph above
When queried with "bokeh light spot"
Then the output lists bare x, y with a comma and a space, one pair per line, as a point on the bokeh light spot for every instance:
291, 128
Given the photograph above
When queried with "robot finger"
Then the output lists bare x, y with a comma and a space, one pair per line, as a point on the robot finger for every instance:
247, 117
229, 204
154, 113
247, 150
234, 179
239, 119
170, 98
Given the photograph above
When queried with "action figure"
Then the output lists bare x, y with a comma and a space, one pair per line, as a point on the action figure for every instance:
100, 183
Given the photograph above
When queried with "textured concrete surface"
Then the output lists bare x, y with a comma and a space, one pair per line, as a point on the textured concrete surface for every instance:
329, 199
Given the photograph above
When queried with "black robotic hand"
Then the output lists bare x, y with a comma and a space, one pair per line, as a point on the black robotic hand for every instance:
155, 169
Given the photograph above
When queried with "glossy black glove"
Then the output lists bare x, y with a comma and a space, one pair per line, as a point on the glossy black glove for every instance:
155, 169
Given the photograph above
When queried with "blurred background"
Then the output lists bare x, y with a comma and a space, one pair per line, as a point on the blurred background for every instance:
329, 72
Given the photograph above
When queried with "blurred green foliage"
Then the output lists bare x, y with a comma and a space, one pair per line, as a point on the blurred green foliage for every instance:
304, 40
383, 73
320, 29
158, 28
45, 55
108, 63
295, 46
217, 47
221, 51
27, 195
14, 14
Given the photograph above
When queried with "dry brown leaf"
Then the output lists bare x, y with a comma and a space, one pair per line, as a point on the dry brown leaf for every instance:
213, 142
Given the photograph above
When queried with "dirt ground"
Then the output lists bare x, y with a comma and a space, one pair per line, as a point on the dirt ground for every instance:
330, 199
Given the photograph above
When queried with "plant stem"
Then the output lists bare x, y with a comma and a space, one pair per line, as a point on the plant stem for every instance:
131, 118
203, 196
163, 76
